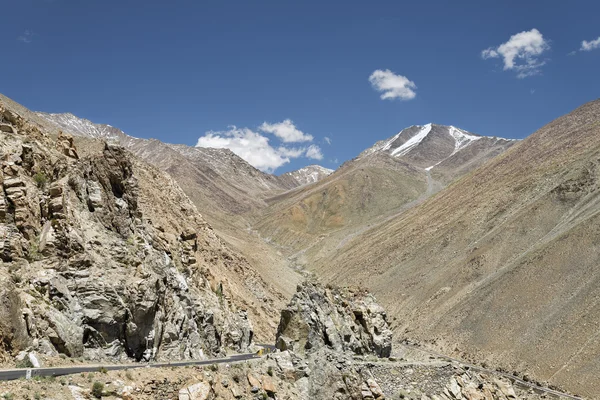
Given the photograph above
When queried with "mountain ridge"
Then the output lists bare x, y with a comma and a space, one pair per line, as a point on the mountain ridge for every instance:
508, 251
388, 178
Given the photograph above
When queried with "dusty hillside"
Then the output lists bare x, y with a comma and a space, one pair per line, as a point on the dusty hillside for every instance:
385, 180
221, 184
502, 265
104, 256
307, 219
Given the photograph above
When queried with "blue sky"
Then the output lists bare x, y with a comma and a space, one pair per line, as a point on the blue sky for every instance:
262, 74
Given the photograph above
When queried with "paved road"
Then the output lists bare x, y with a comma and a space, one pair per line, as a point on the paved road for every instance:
12, 374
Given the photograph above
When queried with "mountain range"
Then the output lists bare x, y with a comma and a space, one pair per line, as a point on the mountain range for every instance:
481, 248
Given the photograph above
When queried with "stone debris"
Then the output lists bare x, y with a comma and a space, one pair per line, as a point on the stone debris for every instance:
336, 318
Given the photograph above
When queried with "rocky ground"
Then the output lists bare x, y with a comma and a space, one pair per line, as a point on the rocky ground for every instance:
338, 346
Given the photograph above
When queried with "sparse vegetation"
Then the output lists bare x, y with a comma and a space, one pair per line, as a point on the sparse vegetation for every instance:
8, 396
219, 291
270, 370
25, 363
128, 375
34, 251
97, 389
214, 367
103, 370
40, 180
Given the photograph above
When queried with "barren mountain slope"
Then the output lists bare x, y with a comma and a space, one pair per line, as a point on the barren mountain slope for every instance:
222, 186
385, 180
502, 265
103, 256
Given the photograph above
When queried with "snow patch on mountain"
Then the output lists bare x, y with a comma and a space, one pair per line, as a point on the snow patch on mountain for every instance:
309, 174
461, 138
81, 126
412, 142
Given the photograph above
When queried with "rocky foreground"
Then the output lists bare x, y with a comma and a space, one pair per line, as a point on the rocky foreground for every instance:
318, 367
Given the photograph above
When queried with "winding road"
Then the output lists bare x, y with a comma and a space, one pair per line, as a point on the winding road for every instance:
12, 374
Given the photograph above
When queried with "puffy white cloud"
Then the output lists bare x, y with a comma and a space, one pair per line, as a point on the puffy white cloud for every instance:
314, 152
393, 86
249, 145
286, 131
291, 152
521, 53
255, 148
591, 45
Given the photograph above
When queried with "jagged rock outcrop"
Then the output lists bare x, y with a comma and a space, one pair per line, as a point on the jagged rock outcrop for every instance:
101, 263
341, 319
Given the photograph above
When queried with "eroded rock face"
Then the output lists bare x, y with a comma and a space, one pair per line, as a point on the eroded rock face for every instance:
92, 272
337, 318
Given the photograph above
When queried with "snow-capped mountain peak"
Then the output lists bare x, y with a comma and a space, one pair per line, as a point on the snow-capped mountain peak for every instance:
430, 139
309, 174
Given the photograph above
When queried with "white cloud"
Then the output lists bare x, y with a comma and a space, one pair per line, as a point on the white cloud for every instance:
249, 145
26, 37
591, 45
291, 152
327, 140
393, 86
520, 53
314, 152
255, 148
286, 131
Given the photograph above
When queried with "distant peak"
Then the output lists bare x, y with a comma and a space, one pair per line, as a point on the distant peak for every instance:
315, 167
309, 174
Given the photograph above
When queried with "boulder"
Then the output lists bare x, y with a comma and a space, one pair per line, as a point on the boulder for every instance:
375, 389
198, 391
253, 381
8, 128
338, 318
268, 385
35, 362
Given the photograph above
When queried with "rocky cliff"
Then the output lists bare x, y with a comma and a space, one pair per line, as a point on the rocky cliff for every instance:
341, 319
105, 257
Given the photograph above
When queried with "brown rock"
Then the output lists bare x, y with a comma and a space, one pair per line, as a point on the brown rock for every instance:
365, 392
253, 381
268, 385
188, 234
7, 128
375, 389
